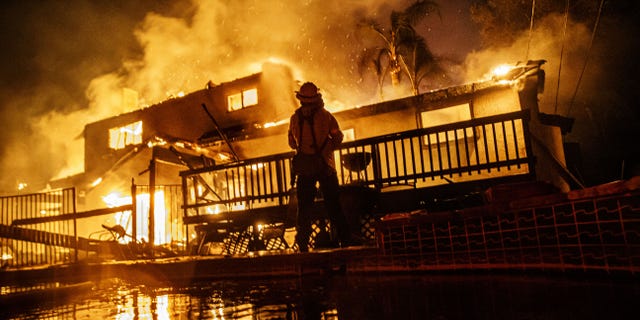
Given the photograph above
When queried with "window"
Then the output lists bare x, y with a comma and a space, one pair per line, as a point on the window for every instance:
242, 100
349, 135
121, 137
447, 115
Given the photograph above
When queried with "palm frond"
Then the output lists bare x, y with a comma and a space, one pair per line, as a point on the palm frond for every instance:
395, 19
372, 58
370, 24
419, 10
405, 53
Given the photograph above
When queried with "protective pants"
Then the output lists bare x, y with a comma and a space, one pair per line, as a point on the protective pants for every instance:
306, 192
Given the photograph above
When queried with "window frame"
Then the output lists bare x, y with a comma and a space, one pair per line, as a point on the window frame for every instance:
464, 113
129, 134
241, 100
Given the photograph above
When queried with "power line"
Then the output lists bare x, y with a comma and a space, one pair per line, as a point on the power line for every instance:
533, 10
584, 66
564, 36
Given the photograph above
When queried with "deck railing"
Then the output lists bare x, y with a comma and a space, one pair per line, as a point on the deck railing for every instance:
45, 228
477, 148
46, 242
470, 150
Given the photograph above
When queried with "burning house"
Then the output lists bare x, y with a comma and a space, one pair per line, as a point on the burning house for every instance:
184, 132
150, 146
398, 156
214, 165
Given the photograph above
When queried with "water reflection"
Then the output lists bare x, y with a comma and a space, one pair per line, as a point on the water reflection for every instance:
350, 297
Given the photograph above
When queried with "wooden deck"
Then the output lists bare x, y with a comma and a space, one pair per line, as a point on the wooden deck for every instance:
589, 230
282, 263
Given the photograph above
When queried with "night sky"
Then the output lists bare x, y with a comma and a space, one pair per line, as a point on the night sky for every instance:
65, 64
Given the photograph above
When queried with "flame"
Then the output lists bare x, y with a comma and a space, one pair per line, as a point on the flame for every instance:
156, 141
223, 157
115, 199
96, 182
501, 70
171, 95
255, 67
275, 124
239, 207
215, 209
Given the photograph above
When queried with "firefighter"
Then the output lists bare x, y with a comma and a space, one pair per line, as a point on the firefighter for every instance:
314, 133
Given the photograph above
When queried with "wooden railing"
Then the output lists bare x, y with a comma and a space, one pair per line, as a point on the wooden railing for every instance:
257, 188
478, 147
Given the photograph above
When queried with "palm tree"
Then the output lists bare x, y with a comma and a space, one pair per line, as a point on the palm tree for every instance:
418, 62
403, 49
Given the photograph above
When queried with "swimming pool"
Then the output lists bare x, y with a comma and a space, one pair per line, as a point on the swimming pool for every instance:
416, 296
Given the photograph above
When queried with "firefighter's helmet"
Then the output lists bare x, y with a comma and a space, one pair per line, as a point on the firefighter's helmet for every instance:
308, 93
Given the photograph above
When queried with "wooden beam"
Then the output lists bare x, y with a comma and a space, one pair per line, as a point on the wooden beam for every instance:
71, 216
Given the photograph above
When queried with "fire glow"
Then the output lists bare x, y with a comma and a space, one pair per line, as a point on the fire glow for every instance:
275, 124
124, 218
501, 70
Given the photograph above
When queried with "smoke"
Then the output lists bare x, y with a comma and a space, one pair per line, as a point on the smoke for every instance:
547, 41
180, 48
180, 51
594, 83
224, 40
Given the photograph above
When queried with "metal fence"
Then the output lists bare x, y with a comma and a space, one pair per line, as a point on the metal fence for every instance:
47, 242
595, 234
167, 228
44, 228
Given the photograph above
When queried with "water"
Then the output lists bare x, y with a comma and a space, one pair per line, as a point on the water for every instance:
351, 297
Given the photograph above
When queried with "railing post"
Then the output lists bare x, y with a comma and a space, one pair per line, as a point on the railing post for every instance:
152, 199
75, 224
526, 116
185, 211
134, 212
280, 163
375, 163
